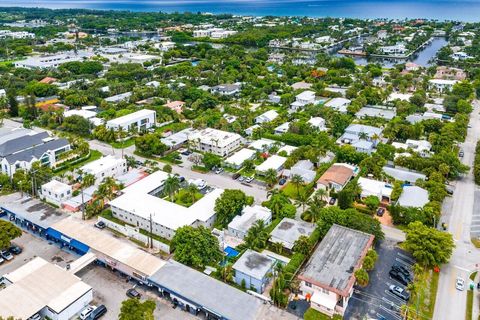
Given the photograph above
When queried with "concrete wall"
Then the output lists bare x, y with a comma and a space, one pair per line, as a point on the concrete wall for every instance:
258, 284
135, 234
71, 310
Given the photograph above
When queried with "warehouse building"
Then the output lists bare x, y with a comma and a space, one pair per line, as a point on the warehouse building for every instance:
39, 288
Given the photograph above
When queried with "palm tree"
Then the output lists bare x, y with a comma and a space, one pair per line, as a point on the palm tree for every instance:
171, 186
302, 245
88, 180
278, 247
106, 190
191, 190
322, 194
273, 192
226, 273
277, 202
257, 237
297, 181
363, 135
271, 176
302, 200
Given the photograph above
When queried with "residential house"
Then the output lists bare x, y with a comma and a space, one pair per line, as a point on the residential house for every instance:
301, 85
302, 99
304, 169
283, 128
328, 277
379, 189
107, 166
289, 230
338, 104
317, 123
226, 89
441, 85
273, 162
413, 197
238, 158
362, 137
138, 121
337, 176
267, 116
252, 270
240, 224
55, 192
176, 106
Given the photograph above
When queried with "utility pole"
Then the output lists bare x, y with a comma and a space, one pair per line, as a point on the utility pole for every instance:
33, 183
151, 232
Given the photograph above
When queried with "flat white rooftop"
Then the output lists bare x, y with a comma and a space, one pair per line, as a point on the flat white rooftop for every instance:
101, 164
216, 137
38, 284
138, 200
135, 116
274, 162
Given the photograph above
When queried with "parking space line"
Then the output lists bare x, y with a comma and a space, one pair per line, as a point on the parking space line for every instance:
394, 315
406, 257
394, 296
403, 262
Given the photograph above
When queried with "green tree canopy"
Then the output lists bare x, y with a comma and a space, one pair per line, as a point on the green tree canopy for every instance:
429, 246
196, 247
133, 309
8, 232
228, 205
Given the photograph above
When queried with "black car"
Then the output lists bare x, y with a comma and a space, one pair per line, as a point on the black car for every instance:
399, 277
332, 201
132, 293
100, 225
380, 211
14, 249
236, 176
401, 269
97, 313
282, 181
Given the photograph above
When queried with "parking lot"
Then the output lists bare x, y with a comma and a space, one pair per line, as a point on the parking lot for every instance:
375, 300
108, 287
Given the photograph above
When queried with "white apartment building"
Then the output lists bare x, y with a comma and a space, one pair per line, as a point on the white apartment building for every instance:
55, 192
141, 207
137, 121
108, 166
52, 61
221, 143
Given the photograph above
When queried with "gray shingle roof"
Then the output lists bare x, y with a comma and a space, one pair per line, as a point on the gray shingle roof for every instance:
37, 151
21, 143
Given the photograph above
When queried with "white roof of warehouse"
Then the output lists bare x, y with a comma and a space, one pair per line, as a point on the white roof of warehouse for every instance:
240, 156
138, 200
38, 284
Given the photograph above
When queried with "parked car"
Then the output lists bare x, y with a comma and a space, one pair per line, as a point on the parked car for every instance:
449, 190
380, 211
219, 170
97, 313
235, 176
2, 260
86, 312
36, 316
6, 255
241, 179
401, 269
400, 292
460, 284
282, 181
399, 277
100, 225
249, 179
14, 249
461, 154
332, 201
132, 293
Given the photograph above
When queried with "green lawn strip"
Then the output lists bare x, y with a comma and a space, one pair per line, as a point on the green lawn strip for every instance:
94, 155
313, 314
424, 297
469, 312
123, 144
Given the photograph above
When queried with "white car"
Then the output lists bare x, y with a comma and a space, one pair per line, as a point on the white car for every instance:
460, 284
86, 312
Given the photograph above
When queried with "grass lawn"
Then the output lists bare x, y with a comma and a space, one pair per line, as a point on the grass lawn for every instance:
175, 127
468, 313
476, 242
94, 155
123, 144
290, 190
425, 294
184, 199
313, 314
170, 158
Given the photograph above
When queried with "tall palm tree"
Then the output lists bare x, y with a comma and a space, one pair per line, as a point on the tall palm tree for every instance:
297, 181
106, 190
271, 176
192, 191
257, 237
88, 180
273, 192
171, 186
278, 247
322, 194
302, 200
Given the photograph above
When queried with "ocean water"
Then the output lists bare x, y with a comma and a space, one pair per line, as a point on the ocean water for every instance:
462, 10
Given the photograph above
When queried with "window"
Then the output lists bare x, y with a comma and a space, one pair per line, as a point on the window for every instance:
308, 284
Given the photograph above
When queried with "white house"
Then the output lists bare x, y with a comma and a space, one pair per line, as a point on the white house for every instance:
52, 61
55, 192
267, 116
238, 158
138, 121
283, 128
273, 162
165, 45
240, 224
441, 85
364, 138
398, 49
338, 104
108, 166
371, 187
221, 143
422, 147
302, 99
317, 123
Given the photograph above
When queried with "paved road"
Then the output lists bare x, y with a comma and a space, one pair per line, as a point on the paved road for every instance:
450, 302
219, 180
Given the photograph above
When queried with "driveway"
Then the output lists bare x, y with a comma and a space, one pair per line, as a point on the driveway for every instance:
375, 301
